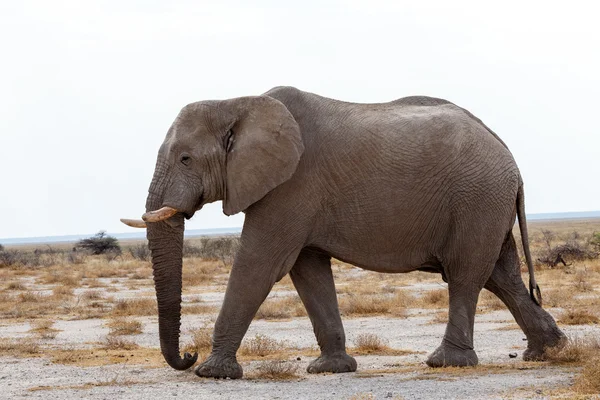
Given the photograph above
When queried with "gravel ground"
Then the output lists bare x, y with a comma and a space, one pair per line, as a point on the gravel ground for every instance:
498, 376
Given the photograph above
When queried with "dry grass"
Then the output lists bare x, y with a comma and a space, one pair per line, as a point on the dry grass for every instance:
16, 285
62, 292
43, 328
437, 298
89, 295
574, 350
395, 305
578, 317
124, 326
147, 357
141, 306
369, 343
94, 283
261, 346
281, 308
490, 301
440, 317
588, 382
560, 297
276, 370
201, 341
118, 343
59, 277
22, 347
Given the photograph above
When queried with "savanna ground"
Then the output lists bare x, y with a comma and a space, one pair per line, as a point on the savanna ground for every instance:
79, 325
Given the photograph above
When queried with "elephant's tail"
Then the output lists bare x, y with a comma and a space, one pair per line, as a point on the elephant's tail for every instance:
534, 289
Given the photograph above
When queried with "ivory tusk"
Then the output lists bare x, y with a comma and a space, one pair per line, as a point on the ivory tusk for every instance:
135, 223
159, 215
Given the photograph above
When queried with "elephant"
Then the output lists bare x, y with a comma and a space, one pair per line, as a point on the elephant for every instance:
418, 183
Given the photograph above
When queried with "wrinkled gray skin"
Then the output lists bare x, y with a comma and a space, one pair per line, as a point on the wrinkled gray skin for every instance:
414, 184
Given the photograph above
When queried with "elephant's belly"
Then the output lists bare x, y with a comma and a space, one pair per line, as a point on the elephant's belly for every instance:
384, 243
381, 254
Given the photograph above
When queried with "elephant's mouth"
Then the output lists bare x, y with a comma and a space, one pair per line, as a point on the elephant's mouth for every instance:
162, 214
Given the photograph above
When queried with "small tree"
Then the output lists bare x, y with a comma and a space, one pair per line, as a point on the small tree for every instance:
1, 248
100, 243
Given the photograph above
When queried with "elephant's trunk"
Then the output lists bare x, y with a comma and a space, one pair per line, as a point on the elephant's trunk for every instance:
165, 240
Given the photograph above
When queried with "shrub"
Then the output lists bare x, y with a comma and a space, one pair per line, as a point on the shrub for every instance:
124, 326
578, 317
118, 343
140, 252
277, 370
100, 243
369, 342
260, 345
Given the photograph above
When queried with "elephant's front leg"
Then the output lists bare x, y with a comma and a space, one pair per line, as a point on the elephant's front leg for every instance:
313, 280
248, 286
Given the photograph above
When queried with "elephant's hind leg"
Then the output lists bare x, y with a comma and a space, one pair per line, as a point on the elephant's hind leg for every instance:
456, 349
536, 323
313, 280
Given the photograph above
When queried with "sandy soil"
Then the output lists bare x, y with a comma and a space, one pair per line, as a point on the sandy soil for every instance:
406, 377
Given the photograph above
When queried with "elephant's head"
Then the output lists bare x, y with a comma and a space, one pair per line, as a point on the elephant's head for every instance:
233, 150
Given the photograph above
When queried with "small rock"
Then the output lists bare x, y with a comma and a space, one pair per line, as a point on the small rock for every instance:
513, 355
388, 395
298, 359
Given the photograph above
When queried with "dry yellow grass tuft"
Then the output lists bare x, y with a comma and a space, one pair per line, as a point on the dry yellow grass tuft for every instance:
19, 347
201, 341
261, 346
59, 277
276, 370
437, 298
44, 329
124, 326
369, 343
141, 306
62, 292
440, 317
118, 343
89, 295
574, 350
281, 308
588, 382
16, 285
490, 301
578, 317
560, 297
351, 305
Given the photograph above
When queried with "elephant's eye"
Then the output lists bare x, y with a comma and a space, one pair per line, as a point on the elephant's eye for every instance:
186, 160
228, 141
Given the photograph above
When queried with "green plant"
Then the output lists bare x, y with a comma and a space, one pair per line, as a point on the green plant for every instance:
100, 243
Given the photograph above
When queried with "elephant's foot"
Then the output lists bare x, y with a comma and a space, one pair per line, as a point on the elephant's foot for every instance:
450, 356
215, 367
341, 362
536, 351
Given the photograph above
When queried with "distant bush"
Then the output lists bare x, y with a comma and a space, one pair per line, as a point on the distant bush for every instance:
213, 248
574, 249
1, 247
140, 252
100, 243
595, 241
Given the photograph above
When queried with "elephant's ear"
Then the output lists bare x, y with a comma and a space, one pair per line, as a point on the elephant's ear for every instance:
263, 152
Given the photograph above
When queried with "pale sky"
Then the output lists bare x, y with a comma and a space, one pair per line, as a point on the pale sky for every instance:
88, 89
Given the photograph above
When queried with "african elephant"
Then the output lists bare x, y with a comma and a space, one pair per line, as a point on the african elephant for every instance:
414, 184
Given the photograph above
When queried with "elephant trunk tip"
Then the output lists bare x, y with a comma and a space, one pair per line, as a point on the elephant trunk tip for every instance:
184, 363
